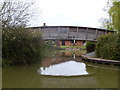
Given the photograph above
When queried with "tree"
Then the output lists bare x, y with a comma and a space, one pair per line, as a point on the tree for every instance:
15, 13
19, 44
113, 22
114, 12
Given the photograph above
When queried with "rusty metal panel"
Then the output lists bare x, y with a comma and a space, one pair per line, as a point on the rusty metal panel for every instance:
71, 33
91, 34
63, 32
100, 33
82, 33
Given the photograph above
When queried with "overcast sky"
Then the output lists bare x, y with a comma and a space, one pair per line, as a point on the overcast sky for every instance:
70, 12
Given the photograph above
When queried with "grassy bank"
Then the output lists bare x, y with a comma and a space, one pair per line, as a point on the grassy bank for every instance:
73, 47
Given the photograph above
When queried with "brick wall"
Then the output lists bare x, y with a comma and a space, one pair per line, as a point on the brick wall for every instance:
79, 43
67, 43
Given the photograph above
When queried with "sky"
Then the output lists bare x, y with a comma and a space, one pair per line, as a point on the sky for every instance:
86, 13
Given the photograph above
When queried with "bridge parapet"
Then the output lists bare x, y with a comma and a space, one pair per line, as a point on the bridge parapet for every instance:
72, 33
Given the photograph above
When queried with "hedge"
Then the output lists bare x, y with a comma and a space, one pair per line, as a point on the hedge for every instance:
90, 46
21, 46
108, 46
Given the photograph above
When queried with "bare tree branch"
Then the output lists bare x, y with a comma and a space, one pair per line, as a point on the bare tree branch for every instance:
15, 13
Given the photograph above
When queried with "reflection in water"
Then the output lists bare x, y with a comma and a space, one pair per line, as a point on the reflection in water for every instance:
60, 57
100, 76
70, 54
69, 68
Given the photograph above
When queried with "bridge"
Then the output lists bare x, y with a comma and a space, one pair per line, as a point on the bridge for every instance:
71, 33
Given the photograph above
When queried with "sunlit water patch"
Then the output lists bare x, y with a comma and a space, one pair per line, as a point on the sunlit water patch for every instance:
70, 68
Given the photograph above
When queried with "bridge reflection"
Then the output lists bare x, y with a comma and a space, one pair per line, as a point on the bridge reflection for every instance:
60, 57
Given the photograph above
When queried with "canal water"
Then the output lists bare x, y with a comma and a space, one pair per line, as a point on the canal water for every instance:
64, 69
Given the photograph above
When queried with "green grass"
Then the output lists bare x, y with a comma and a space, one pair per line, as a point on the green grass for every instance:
73, 51
83, 47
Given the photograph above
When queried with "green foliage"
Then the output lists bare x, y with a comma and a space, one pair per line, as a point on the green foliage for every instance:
90, 46
114, 13
113, 22
22, 46
108, 46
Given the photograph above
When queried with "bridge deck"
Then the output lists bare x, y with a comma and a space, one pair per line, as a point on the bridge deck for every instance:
71, 33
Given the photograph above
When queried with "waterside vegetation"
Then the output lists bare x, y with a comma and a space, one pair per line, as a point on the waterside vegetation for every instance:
22, 46
90, 46
108, 47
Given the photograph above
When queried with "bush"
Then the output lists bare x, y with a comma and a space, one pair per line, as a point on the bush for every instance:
22, 46
90, 46
108, 46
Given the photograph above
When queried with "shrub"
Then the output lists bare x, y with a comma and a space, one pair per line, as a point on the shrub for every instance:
22, 46
108, 46
90, 46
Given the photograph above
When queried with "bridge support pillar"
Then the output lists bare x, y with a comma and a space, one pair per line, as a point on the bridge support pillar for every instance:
74, 41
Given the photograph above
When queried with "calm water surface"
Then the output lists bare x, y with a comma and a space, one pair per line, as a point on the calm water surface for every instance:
62, 70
